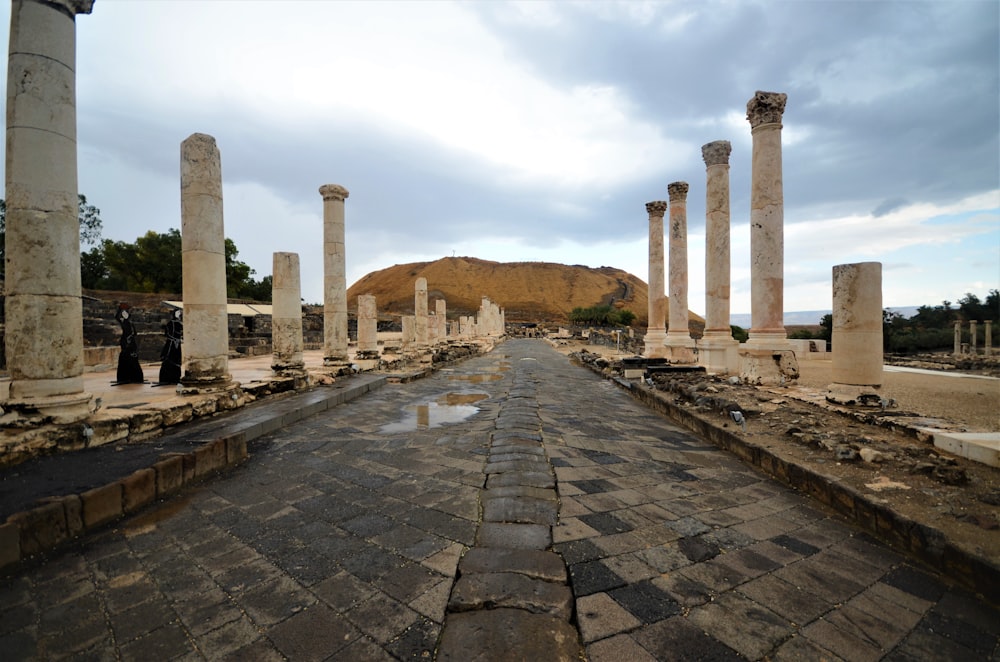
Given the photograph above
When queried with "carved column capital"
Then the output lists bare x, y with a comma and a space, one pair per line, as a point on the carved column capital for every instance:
766, 108
716, 153
70, 7
677, 191
656, 208
333, 192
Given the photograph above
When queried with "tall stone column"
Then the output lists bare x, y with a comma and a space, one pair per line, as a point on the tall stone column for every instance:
767, 218
409, 331
420, 311
958, 337
988, 342
717, 349
44, 315
767, 356
972, 336
334, 277
857, 334
679, 343
656, 331
286, 316
203, 264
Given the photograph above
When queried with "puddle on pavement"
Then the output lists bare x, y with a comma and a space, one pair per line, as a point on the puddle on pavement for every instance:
147, 521
449, 408
477, 379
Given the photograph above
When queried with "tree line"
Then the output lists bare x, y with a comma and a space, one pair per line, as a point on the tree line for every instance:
930, 328
152, 263
601, 316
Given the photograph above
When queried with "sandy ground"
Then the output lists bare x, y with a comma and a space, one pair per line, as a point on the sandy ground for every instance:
971, 400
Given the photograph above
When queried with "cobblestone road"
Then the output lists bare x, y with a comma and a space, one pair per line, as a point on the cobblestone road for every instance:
341, 539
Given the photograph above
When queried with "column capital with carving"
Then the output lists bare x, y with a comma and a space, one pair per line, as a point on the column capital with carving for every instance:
70, 7
716, 153
766, 108
333, 192
677, 191
656, 207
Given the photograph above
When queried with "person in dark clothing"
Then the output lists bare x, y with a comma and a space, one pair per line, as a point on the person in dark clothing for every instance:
170, 369
129, 370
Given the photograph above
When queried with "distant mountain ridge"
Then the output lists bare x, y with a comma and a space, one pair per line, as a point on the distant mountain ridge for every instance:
527, 291
811, 317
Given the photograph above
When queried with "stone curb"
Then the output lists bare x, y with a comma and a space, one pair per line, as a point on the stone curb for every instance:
62, 519
924, 542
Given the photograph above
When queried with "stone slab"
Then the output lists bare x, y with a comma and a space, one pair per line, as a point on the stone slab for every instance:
524, 510
509, 589
532, 563
514, 536
508, 634
982, 447
102, 505
523, 478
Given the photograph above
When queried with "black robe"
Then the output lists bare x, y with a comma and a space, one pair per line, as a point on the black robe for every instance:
170, 369
129, 370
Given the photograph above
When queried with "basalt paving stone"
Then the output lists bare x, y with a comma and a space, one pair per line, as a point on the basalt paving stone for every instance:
593, 577
795, 545
697, 549
645, 601
508, 589
605, 523
678, 639
915, 582
524, 478
594, 486
532, 563
480, 635
523, 510
514, 536
577, 551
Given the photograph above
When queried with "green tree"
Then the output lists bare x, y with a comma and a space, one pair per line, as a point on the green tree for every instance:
90, 226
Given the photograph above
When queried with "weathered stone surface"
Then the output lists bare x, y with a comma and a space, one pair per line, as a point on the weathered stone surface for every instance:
508, 589
519, 491
532, 563
656, 329
534, 465
101, 505
286, 316
169, 475
508, 634
334, 275
139, 489
520, 509
41, 528
514, 536
526, 478
10, 544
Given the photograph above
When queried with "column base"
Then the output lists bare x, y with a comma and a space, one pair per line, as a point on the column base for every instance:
653, 344
859, 395
768, 367
206, 385
680, 347
42, 410
776, 339
719, 354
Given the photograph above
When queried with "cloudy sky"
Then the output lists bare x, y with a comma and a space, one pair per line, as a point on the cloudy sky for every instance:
538, 131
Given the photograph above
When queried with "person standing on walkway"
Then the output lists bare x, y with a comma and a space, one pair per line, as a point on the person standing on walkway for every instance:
170, 355
129, 370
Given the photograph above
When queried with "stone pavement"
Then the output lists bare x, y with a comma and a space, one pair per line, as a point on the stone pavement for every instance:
343, 537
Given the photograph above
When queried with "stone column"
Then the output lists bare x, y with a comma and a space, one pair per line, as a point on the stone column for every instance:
958, 337
441, 317
420, 311
286, 316
367, 326
857, 334
44, 315
988, 343
972, 336
656, 331
203, 264
767, 357
717, 349
409, 331
767, 211
334, 277
679, 343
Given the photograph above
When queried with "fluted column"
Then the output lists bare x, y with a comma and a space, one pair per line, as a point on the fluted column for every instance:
767, 209
678, 341
656, 331
857, 334
334, 276
44, 315
203, 265
286, 316
717, 349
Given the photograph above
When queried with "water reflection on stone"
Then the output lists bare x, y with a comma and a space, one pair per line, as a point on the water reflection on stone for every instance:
449, 408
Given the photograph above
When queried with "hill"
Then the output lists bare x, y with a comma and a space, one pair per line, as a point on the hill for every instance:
528, 291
